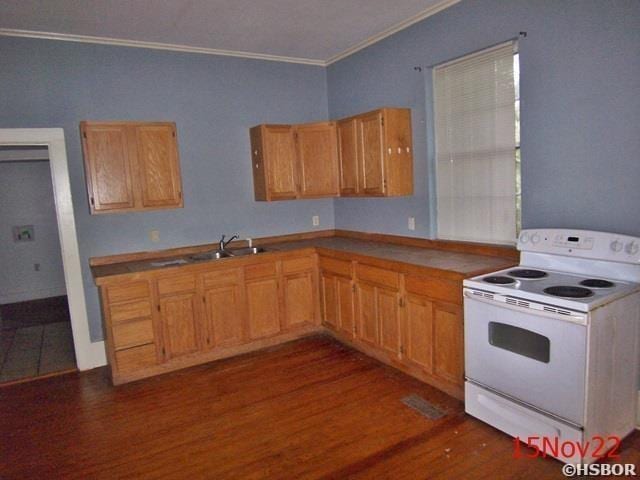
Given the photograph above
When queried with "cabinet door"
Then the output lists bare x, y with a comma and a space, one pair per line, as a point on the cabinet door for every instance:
389, 320
349, 156
418, 332
367, 313
345, 306
179, 319
280, 157
108, 166
158, 168
262, 306
448, 343
223, 313
329, 292
371, 136
317, 159
298, 299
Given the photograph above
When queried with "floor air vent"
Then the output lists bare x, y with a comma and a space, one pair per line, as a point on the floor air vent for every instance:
423, 407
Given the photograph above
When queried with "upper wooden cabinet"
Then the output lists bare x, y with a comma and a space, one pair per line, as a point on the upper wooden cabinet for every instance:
291, 162
317, 160
131, 166
365, 155
375, 152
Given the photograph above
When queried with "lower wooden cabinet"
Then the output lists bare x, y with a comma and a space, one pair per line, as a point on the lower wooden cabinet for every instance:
130, 331
433, 329
367, 325
418, 332
170, 318
263, 306
412, 322
337, 296
448, 343
224, 307
179, 321
299, 304
378, 300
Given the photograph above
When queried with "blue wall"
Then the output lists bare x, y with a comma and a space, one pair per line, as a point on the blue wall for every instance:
580, 103
580, 68
213, 99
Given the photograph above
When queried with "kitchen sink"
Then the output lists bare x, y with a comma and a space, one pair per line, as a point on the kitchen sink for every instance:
215, 255
239, 252
218, 254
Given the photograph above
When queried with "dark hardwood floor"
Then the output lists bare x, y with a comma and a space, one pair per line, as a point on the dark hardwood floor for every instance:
308, 409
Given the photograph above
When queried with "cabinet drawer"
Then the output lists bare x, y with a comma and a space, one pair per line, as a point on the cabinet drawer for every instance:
176, 284
297, 265
436, 288
136, 358
130, 311
131, 334
260, 270
378, 275
339, 267
221, 277
128, 292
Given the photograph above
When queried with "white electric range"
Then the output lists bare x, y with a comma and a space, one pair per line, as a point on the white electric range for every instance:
552, 346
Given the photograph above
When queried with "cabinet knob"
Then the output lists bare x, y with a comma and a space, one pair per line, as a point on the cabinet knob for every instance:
389, 150
399, 150
408, 149
257, 165
255, 152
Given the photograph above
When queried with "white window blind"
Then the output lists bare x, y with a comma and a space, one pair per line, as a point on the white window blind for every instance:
474, 106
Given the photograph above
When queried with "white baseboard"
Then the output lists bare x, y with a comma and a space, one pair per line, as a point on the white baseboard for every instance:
25, 295
96, 356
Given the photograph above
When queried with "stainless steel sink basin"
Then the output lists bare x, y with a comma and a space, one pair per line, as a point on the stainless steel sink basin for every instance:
215, 255
239, 252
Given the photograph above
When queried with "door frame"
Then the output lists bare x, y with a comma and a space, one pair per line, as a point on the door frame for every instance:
88, 355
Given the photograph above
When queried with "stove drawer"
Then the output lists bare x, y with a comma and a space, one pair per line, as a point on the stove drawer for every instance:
517, 420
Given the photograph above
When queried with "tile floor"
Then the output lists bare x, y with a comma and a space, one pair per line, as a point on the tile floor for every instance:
34, 349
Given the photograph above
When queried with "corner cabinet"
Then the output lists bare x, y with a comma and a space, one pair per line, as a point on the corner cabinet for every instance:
412, 322
366, 155
375, 152
299, 161
131, 166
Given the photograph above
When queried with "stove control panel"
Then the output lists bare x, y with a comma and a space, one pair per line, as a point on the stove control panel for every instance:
581, 243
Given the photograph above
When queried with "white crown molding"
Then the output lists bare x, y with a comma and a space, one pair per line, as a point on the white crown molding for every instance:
66, 37
438, 7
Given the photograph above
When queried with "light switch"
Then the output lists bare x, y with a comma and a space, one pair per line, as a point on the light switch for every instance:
154, 236
411, 224
316, 220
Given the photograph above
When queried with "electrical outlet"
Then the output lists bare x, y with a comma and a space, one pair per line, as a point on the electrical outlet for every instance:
411, 224
315, 220
154, 236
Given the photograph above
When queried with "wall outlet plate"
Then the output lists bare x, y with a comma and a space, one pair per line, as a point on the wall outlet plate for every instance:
411, 224
315, 220
23, 233
154, 236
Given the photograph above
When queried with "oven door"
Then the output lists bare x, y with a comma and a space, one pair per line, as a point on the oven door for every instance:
536, 357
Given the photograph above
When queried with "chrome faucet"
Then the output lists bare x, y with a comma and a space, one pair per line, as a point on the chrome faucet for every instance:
222, 245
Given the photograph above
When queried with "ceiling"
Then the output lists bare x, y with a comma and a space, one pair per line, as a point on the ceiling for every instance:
305, 31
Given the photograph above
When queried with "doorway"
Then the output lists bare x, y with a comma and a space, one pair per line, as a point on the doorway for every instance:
87, 354
35, 324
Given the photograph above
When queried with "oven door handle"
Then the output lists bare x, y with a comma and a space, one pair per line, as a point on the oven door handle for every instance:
575, 317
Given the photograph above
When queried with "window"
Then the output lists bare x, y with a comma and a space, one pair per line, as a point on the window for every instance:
477, 146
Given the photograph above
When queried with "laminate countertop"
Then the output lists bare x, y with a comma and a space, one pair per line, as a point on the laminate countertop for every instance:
452, 262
